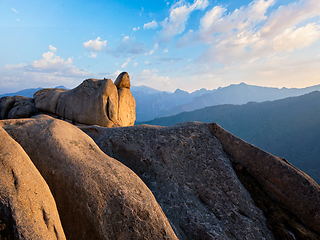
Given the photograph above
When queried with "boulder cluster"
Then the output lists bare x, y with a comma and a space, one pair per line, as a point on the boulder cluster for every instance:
191, 181
93, 102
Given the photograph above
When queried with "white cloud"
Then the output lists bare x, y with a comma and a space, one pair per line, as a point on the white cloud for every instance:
152, 79
52, 48
155, 47
150, 25
93, 55
177, 20
128, 47
216, 25
14, 10
146, 63
165, 50
95, 45
211, 16
126, 63
135, 64
248, 34
51, 61
13, 67
288, 16
50, 71
136, 29
293, 38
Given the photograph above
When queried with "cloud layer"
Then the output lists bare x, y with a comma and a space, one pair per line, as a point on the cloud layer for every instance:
50, 70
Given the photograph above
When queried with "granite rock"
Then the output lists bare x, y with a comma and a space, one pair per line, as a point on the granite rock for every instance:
97, 196
27, 208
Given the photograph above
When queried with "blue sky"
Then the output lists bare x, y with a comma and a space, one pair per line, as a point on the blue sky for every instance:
161, 44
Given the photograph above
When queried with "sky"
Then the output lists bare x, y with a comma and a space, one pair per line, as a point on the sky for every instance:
162, 44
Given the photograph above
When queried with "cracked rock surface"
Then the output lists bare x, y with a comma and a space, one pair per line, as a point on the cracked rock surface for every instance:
191, 177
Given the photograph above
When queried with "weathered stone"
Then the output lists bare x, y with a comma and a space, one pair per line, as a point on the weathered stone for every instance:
93, 102
27, 208
127, 107
97, 196
23, 108
17, 107
6, 104
46, 99
283, 183
191, 177
123, 80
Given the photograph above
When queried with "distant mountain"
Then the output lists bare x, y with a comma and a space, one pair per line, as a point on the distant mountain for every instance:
238, 94
289, 128
151, 103
26, 92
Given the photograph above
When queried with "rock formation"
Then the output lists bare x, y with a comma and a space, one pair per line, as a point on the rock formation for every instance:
27, 207
93, 102
189, 181
17, 107
127, 104
194, 171
97, 196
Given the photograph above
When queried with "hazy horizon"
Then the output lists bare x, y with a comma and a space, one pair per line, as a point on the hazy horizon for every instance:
166, 45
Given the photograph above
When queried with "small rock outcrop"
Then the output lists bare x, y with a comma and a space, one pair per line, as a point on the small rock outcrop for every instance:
93, 102
97, 196
127, 104
17, 107
27, 207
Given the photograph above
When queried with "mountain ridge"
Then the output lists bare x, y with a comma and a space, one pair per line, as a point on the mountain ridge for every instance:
152, 103
288, 127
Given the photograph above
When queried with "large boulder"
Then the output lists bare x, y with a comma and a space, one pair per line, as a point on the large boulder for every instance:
127, 103
198, 174
97, 196
27, 208
93, 102
127, 107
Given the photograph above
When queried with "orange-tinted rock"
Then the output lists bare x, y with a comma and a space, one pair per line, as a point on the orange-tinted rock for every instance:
27, 208
97, 196
127, 108
123, 80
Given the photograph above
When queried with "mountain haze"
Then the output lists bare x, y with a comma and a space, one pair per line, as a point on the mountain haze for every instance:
289, 128
152, 104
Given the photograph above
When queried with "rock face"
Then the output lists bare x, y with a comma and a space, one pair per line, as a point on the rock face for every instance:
127, 106
93, 102
17, 107
194, 171
27, 208
123, 81
191, 177
97, 196
284, 183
